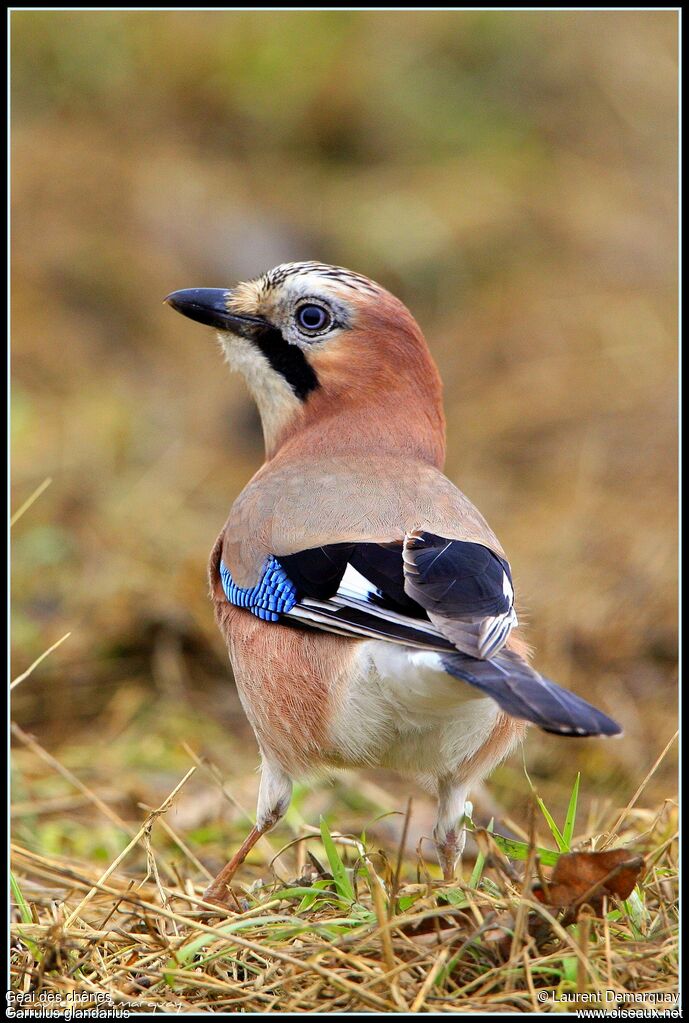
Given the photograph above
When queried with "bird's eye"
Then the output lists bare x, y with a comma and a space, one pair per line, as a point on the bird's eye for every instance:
313, 318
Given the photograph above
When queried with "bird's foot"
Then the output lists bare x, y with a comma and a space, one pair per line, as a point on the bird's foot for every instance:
219, 892
228, 899
449, 852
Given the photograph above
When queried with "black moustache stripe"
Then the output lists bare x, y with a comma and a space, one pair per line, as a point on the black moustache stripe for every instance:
287, 360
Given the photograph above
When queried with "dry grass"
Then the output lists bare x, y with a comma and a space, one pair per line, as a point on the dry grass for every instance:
330, 923
361, 939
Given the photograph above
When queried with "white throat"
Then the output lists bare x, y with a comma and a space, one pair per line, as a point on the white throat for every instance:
276, 401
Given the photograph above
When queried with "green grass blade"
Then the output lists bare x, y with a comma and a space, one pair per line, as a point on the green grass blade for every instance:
188, 953
480, 859
25, 914
22, 905
568, 830
321, 889
453, 897
570, 967
322, 886
554, 830
637, 914
477, 871
337, 867
515, 850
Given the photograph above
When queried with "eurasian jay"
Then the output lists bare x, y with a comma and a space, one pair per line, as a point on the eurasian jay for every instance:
367, 606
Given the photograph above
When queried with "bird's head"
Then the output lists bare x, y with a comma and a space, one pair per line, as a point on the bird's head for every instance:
316, 343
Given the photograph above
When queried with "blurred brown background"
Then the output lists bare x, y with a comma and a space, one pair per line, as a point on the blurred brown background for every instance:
512, 177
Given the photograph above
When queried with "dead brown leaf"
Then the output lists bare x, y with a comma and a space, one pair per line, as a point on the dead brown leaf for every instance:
588, 877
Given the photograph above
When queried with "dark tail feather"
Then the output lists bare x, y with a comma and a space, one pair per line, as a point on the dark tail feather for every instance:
523, 693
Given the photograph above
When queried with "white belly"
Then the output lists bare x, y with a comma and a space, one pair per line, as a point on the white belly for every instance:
401, 710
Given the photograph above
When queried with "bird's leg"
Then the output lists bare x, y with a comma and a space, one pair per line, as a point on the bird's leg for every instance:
274, 797
448, 833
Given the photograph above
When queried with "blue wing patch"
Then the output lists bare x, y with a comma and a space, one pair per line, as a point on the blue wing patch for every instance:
274, 594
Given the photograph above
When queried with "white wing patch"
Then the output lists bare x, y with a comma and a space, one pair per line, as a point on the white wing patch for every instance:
355, 584
353, 612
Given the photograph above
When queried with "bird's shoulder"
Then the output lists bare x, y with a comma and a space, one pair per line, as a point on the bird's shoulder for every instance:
291, 506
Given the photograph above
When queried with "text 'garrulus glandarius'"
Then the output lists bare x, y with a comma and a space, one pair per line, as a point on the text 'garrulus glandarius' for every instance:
367, 606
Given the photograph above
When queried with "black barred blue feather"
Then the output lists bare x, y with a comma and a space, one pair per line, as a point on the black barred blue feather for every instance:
273, 595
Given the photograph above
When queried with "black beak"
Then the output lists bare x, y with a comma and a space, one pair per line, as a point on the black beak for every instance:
209, 306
